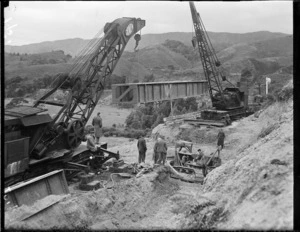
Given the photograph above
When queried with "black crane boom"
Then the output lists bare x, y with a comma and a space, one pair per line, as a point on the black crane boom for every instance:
222, 99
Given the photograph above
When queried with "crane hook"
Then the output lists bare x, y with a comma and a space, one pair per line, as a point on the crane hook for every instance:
137, 38
194, 41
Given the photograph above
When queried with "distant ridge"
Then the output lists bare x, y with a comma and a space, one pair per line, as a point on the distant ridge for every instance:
220, 40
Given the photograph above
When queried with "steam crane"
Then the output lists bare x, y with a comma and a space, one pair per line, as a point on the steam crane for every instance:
32, 139
230, 99
70, 121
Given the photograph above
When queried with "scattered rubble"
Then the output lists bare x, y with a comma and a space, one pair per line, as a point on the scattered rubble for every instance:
252, 189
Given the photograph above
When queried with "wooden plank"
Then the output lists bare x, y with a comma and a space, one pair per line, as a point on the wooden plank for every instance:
201, 122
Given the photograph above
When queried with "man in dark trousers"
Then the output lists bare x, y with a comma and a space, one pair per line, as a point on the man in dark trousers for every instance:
141, 144
160, 148
97, 123
221, 137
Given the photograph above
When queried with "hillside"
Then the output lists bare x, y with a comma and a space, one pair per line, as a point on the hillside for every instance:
279, 47
69, 46
131, 69
220, 41
175, 60
256, 183
34, 66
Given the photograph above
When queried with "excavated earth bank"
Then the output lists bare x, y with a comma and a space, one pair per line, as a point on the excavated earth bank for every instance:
252, 189
153, 201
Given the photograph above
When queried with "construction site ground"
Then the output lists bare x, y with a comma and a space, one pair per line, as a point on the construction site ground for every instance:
252, 189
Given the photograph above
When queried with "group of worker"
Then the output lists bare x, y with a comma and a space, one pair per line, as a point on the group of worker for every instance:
159, 150
160, 146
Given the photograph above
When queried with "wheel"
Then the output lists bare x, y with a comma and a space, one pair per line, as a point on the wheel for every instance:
75, 132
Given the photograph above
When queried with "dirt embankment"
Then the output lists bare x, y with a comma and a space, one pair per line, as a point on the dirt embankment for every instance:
153, 201
252, 189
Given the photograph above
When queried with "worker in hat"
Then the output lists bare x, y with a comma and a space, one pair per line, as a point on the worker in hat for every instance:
220, 144
97, 123
160, 148
142, 147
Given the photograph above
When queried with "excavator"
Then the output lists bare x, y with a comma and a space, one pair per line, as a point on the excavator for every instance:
37, 143
228, 102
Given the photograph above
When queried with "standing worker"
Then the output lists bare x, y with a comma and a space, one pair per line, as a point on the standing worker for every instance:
160, 148
221, 137
141, 144
97, 123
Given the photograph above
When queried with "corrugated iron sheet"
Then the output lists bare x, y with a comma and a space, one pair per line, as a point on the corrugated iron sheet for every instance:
22, 111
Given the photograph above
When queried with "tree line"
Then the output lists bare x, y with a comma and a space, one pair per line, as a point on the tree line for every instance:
24, 86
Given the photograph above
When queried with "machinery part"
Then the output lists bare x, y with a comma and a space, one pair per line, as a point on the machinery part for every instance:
137, 38
27, 192
176, 175
60, 127
228, 99
184, 169
85, 83
75, 133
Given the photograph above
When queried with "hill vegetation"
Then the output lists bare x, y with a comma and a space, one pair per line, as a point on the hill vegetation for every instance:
220, 40
261, 53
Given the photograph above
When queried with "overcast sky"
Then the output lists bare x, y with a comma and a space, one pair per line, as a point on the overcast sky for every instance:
34, 21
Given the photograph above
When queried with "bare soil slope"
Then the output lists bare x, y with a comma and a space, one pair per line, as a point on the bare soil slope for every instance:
252, 189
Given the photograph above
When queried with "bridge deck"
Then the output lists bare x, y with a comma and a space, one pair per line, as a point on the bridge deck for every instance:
157, 91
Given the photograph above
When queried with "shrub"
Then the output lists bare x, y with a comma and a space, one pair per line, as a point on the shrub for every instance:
126, 105
164, 109
183, 111
176, 111
286, 93
149, 78
159, 120
136, 124
150, 115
